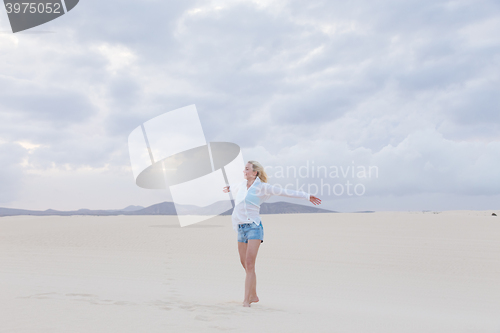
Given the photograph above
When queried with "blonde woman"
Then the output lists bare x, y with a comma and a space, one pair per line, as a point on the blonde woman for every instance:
248, 196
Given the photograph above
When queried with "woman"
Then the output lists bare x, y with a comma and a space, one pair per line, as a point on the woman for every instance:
248, 196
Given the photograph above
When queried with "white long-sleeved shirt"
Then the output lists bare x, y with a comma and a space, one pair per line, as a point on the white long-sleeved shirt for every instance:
247, 201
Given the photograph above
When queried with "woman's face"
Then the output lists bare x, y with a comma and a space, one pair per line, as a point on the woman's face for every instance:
248, 173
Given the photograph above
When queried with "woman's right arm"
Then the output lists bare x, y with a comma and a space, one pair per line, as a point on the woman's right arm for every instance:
230, 188
278, 190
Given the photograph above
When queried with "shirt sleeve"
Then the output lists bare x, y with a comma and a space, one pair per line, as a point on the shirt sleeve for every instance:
278, 190
234, 188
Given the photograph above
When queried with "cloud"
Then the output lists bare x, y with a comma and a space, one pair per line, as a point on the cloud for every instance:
11, 177
50, 105
423, 163
409, 86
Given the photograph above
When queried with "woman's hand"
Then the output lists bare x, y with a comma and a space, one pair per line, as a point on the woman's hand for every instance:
225, 189
315, 200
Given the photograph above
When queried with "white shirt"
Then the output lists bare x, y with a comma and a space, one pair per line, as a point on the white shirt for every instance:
247, 201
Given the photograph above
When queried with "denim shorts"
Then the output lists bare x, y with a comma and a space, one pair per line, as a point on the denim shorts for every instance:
248, 231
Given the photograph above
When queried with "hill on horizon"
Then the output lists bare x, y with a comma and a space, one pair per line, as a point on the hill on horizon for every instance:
167, 208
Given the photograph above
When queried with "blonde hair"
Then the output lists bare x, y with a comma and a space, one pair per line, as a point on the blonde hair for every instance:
261, 173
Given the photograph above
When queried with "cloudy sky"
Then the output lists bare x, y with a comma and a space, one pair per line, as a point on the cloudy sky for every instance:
409, 87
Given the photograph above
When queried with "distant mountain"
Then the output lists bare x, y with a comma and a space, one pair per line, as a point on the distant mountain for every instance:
131, 208
14, 212
163, 208
168, 208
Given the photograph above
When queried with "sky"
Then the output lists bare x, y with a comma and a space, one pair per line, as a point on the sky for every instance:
407, 89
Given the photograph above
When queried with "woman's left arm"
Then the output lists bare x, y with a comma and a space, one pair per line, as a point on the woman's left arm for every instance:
284, 192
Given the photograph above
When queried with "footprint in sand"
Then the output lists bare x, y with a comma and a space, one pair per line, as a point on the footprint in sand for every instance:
82, 295
40, 296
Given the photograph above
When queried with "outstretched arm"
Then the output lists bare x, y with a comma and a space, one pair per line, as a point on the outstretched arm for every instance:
277, 190
314, 200
231, 188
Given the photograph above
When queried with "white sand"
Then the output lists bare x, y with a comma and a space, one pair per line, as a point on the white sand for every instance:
380, 272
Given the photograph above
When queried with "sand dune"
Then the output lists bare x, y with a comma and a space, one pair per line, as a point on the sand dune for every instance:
379, 272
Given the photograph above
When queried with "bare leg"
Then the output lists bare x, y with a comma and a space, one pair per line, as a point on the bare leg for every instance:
251, 278
242, 249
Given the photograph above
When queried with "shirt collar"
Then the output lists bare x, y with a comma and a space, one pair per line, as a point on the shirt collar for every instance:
256, 181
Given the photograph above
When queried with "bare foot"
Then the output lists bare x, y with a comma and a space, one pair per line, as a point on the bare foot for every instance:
253, 299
